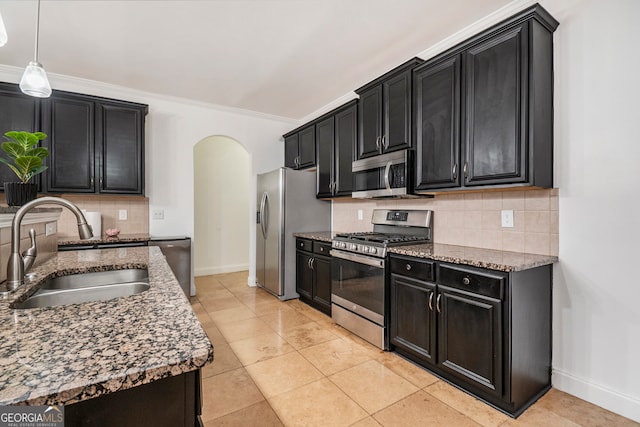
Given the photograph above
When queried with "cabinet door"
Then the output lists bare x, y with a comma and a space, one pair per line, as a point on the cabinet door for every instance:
307, 147
496, 106
397, 113
291, 151
120, 141
346, 127
69, 122
470, 338
412, 323
437, 112
322, 286
17, 112
324, 157
304, 275
370, 123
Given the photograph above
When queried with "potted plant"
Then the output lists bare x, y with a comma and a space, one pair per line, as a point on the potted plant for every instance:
24, 157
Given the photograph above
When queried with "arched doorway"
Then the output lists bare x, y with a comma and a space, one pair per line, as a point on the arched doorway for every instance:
222, 186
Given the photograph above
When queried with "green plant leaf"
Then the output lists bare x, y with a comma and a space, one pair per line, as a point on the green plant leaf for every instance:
13, 149
35, 172
38, 152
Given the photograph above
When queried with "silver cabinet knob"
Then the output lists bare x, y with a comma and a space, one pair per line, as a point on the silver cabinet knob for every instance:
408, 267
466, 281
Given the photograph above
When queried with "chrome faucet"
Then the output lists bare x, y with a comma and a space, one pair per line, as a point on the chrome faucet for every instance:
18, 264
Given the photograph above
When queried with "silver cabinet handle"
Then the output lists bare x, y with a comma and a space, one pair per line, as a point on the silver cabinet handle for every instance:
455, 171
464, 170
92, 181
311, 263
378, 143
385, 142
431, 300
296, 161
438, 303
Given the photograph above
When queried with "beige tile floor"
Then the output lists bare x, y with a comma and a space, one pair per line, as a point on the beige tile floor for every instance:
285, 363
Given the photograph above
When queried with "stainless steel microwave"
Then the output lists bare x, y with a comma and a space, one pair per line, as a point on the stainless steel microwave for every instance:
386, 175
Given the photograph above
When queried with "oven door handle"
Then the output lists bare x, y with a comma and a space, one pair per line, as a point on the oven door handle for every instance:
359, 259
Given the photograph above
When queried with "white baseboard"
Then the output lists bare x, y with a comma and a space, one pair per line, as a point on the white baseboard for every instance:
625, 405
208, 271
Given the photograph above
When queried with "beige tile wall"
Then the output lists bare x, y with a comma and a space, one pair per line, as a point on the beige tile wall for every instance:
472, 219
137, 214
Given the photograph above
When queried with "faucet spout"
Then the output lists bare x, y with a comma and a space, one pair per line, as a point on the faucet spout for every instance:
17, 264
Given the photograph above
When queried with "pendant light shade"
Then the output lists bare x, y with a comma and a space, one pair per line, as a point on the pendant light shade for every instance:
3, 33
34, 81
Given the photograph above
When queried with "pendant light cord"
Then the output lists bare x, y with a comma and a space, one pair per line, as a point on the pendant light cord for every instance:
37, 31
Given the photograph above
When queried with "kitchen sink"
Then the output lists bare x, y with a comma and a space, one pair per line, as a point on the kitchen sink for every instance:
87, 287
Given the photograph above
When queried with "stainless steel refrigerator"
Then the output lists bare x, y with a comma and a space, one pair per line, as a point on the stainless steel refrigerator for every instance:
286, 205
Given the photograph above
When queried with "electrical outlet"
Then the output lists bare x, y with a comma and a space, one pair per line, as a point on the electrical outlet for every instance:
360, 215
157, 214
122, 214
507, 219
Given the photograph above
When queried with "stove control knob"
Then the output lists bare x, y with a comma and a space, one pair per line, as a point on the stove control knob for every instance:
353, 246
373, 250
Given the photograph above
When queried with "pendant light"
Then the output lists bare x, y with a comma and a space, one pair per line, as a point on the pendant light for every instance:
34, 80
3, 33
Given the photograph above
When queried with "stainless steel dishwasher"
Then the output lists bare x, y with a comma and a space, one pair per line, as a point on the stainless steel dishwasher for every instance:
177, 251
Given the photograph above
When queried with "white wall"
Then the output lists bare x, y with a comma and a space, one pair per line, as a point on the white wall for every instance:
596, 287
222, 184
173, 127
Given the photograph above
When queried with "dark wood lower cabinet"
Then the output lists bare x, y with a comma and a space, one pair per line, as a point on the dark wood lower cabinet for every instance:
313, 274
488, 332
170, 402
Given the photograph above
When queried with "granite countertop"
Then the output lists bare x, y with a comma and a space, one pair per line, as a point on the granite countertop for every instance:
477, 257
322, 236
122, 238
66, 354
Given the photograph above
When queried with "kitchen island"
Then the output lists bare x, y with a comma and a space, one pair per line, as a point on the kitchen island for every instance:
70, 354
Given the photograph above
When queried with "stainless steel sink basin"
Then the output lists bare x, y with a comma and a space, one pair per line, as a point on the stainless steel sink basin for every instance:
86, 287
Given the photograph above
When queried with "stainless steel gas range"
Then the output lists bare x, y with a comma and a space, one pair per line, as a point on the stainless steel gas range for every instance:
358, 270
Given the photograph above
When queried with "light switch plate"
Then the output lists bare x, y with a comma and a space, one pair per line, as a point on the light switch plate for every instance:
360, 215
50, 228
507, 219
122, 214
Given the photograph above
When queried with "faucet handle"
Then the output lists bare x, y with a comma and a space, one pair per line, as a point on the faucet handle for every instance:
29, 255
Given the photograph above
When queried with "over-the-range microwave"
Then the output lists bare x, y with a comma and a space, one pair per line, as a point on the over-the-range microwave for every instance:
385, 175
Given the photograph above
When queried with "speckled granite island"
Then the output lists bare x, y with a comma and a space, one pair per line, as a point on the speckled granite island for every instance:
79, 353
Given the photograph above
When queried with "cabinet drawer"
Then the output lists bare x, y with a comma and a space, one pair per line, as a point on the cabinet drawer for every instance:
304, 245
321, 248
491, 285
412, 267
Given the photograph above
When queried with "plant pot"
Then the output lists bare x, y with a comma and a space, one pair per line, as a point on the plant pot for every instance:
19, 193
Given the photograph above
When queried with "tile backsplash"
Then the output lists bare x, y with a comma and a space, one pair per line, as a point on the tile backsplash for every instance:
472, 219
137, 214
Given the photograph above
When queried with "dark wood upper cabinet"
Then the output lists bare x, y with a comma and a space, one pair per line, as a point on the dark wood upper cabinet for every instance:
97, 144
496, 140
300, 147
335, 140
437, 121
384, 114
120, 138
484, 109
18, 112
69, 122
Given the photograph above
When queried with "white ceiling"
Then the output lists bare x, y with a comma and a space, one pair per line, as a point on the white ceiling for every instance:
286, 58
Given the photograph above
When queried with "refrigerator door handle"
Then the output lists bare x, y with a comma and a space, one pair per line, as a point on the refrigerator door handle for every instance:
262, 218
265, 215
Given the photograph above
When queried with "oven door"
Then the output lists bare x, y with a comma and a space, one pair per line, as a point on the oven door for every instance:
358, 285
